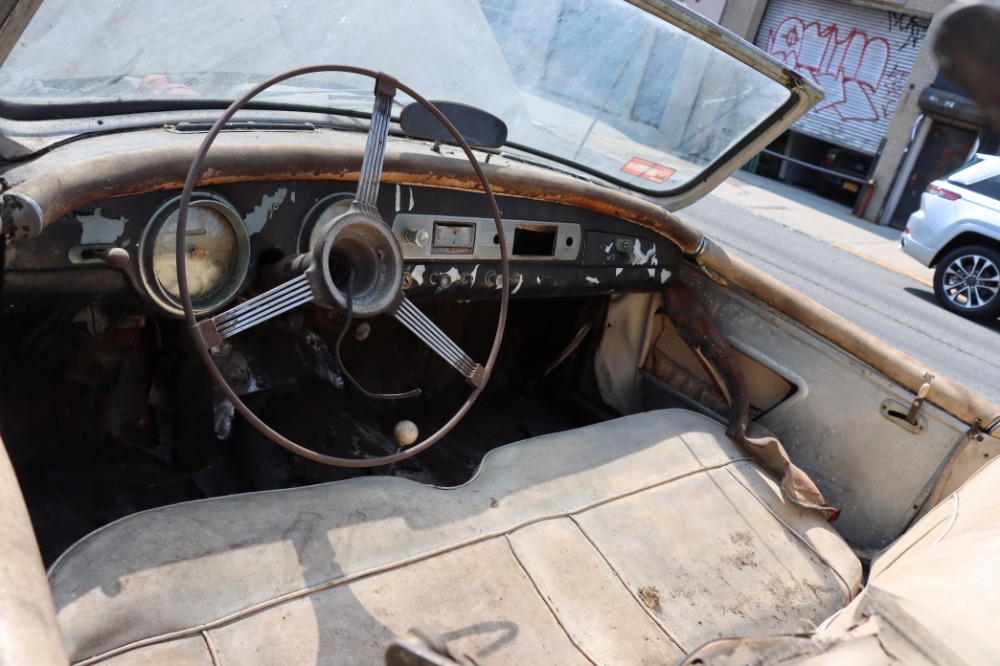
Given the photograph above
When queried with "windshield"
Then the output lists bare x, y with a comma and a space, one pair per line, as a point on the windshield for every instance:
599, 84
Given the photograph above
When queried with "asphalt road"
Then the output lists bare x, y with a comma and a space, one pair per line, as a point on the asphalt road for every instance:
894, 307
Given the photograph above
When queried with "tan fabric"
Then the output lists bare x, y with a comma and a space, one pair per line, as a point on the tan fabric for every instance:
28, 630
625, 342
632, 541
933, 597
937, 588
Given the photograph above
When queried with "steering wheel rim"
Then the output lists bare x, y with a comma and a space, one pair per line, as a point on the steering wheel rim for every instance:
382, 81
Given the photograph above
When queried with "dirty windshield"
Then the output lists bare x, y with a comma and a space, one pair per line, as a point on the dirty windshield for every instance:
598, 84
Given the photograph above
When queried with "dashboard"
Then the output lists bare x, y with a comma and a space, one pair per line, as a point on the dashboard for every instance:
121, 248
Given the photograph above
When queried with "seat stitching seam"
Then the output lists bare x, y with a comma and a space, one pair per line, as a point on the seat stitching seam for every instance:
548, 604
212, 651
676, 641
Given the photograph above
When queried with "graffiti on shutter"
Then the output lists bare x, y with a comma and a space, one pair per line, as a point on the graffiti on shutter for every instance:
861, 56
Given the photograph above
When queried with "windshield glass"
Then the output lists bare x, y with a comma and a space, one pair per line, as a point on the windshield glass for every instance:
599, 84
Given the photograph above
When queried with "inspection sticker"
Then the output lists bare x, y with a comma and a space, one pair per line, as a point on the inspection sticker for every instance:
646, 169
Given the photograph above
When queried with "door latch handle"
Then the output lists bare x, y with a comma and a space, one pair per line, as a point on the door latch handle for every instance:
909, 419
925, 388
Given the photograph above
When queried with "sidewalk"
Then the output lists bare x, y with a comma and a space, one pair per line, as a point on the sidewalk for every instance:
822, 219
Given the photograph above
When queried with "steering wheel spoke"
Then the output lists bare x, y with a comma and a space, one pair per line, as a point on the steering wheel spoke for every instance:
358, 239
259, 309
371, 163
438, 341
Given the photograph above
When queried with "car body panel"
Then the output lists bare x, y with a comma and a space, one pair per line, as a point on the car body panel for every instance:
957, 231
616, 307
931, 229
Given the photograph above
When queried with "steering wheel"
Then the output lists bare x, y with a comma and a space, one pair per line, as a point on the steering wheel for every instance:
355, 265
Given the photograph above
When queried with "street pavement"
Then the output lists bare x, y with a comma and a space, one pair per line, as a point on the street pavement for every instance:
822, 219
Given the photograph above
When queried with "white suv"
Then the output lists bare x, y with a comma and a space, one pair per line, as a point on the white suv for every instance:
957, 230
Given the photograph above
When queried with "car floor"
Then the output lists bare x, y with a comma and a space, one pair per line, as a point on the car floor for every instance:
79, 471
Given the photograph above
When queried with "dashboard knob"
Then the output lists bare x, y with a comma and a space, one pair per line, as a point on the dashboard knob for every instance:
116, 257
418, 237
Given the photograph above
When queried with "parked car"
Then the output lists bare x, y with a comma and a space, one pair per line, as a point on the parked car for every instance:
957, 231
297, 366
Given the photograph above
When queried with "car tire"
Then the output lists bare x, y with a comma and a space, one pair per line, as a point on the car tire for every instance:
967, 281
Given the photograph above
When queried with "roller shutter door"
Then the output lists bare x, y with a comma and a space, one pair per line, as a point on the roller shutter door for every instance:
861, 56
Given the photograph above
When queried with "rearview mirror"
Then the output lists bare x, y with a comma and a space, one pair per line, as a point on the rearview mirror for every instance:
479, 128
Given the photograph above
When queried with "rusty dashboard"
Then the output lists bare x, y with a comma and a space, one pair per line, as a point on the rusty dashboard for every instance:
103, 252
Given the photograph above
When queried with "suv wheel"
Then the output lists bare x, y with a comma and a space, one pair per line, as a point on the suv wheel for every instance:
967, 281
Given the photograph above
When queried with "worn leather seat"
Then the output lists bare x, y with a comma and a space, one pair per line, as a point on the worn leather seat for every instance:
930, 599
632, 541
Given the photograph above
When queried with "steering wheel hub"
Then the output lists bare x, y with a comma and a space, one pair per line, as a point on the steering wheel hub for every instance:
357, 241
355, 265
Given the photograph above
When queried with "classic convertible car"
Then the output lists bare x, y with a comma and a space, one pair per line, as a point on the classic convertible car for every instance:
299, 366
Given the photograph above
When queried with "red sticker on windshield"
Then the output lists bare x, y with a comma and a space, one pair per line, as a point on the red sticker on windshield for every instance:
646, 169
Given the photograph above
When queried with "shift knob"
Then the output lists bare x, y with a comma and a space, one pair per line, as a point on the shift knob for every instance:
405, 432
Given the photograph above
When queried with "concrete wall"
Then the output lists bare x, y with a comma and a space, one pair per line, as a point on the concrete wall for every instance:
900, 128
743, 16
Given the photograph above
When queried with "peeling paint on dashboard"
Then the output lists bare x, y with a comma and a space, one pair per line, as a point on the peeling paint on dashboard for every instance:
256, 220
418, 274
641, 258
100, 229
399, 198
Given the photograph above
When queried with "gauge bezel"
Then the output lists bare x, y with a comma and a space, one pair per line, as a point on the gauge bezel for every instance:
232, 283
317, 219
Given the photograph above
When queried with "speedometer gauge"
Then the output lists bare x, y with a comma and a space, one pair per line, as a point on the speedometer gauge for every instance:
217, 254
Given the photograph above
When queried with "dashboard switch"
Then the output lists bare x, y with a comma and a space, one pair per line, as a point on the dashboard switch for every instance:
418, 237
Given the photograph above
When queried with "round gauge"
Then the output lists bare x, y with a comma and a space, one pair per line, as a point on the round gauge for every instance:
325, 211
217, 255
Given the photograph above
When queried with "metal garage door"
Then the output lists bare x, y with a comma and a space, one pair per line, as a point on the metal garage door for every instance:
861, 56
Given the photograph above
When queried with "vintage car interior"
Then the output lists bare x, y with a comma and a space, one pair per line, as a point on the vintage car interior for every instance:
383, 385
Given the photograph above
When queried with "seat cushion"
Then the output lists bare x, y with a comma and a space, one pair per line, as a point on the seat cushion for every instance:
931, 597
631, 541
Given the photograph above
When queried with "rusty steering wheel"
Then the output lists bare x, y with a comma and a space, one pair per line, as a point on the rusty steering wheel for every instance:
358, 240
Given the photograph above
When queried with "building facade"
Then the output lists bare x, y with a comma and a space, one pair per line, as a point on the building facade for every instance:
889, 124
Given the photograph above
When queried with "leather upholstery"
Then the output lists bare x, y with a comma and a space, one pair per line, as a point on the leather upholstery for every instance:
631, 541
930, 599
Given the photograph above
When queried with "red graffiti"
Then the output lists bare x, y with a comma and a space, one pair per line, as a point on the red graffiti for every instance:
849, 68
